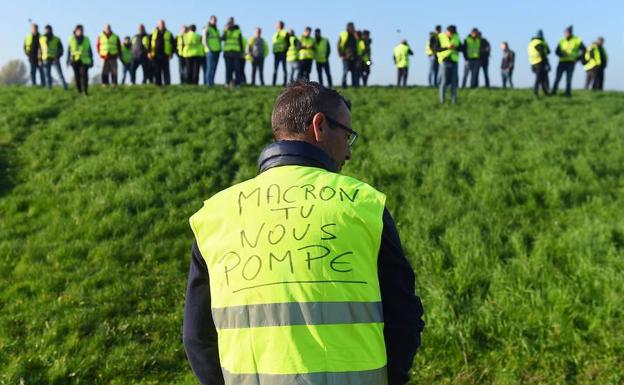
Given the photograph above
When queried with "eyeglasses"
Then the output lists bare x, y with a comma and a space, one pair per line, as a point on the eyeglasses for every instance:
352, 134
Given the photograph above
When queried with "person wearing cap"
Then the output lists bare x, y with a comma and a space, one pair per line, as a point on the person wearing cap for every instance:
570, 50
430, 51
472, 58
507, 64
33, 53
595, 64
401, 54
538, 51
126, 58
51, 53
448, 57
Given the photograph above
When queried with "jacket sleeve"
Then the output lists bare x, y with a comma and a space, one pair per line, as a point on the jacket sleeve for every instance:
199, 331
402, 309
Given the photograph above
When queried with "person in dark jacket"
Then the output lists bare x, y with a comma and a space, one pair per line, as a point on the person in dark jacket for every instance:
311, 128
434, 66
347, 50
538, 57
33, 53
140, 51
507, 64
51, 53
484, 57
162, 46
569, 50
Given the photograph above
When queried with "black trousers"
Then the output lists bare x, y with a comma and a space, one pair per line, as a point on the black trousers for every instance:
364, 73
81, 76
305, 67
485, 64
279, 58
567, 68
182, 69
193, 64
320, 67
402, 76
257, 64
233, 68
541, 78
161, 70
599, 79
145, 66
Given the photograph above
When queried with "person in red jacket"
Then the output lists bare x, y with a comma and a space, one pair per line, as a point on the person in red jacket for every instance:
109, 49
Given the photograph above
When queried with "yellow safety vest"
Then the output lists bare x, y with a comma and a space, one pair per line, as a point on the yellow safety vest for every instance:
361, 51
445, 42
307, 48
80, 53
570, 49
252, 41
180, 45
322, 47
232, 41
213, 40
279, 41
592, 58
126, 54
108, 44
28, 43
293, 53
49, 47
292, 260
344, 37
428, 49
401, 56
193, 46
473, 47
534, 55
167, 38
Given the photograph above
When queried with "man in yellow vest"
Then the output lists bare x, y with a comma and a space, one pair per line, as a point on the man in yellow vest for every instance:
33, 53
80, 56
347, 50
321, 55
292, 55
161, 51
140, 52
472, 58
448, 57
297, 275
595, 64
401, 54
233, 48
180, 53
280, 46
51, 53
570, 50
109, 48
306, 53
212, 45
257, 51
364, 55
126, 58
193, 53
430, 51
538, 51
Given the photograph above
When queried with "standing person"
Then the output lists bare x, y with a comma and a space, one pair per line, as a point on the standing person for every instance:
448, 57
258, 49
180, 52
484, 58
244, 58
280, 46
430, 51
233, 47
364, 55
80, 56
595, 63
33, 52
140, 51
401, 56
51, 53
538, 57
161, 51
212, 43
472, 58
570, 50
292, 55
194, 54
321, 55
109, 48
306, 53
274, 311
507, 64
347, 50
126, 58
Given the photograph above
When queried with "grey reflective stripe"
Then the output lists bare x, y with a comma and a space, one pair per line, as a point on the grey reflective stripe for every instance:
296, 313
367, 377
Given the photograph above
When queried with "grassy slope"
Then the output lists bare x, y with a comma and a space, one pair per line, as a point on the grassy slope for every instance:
510, 210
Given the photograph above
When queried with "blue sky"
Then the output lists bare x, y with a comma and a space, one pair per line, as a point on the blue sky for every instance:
514, 21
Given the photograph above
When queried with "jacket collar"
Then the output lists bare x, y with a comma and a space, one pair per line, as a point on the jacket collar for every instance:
294, 153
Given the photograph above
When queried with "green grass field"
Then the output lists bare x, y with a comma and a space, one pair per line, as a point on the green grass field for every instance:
510, 209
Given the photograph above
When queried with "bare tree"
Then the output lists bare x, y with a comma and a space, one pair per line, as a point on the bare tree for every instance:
13, 73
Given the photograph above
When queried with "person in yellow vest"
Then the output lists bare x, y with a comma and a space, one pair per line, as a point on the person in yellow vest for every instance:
140, 52
364, 55
595, 64
298, 275
126, 58
193, 53
257, 51
306, 53
180, 53
292, 55
321, 55
448, 57
472, 58
401, 54
538, 51
109, 48
430, 51
33, 53
280, 46
347, 50
212, 45
80, 56
161, 51
570, 50
233, 48
51, 53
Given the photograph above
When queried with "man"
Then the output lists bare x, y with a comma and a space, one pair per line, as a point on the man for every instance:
472, 58
140, 51
484, 58
538, 57
570, 50
80, 56
280, 46
292, 55
108, 47
595, 64
244, 58
33, 52
180, 52
233, 47
507, 64
51, 53
161, 51
306, 53
401, 56
298, 276
193, 53
212, 45
126, 58
347, 50
258, 50
321, 55
430, 51
448, 57
364, 55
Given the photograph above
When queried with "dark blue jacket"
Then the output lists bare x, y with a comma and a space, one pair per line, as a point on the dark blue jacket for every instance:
402, 309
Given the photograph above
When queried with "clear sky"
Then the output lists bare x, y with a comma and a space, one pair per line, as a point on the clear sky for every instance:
515, 21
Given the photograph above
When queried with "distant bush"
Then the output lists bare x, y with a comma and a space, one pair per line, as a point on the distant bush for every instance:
13, 73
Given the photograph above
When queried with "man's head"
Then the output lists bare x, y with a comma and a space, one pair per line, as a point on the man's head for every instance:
366, 34
504, 46
600, 41
161, 25
279, 25
213, 20
540, 34
307, 31
350, 27
126, 41
183, 29
78, 31
258, 32
141, 29
474, 33
568, 32
309, 112
451, 30
107, 29
438, 28
192, 27
317, 33
34, 29
403, 41
48, 29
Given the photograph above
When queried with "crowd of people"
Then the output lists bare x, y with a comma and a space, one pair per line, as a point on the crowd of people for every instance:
295, 55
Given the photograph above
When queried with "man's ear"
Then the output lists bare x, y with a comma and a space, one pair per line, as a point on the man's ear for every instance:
317, 126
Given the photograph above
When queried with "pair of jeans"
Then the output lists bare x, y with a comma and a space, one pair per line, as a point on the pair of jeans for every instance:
35, 67
402, 77
471, 67
320, 67
48, 72
350, 65
507, 77
279, 58
450, 78
127, 69
434, 68
257, 64
145, 66
566, 67
233, 71
293, 68
212, 59
541, 78
81, 76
